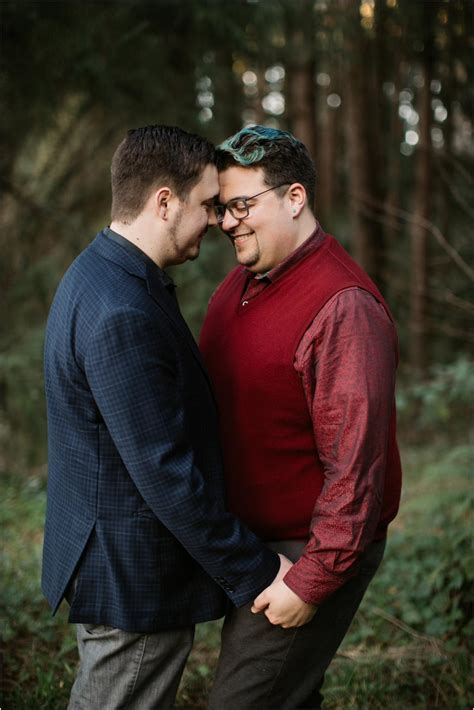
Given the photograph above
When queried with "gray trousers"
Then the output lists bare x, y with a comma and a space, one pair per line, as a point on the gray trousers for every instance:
265, 667
121, 670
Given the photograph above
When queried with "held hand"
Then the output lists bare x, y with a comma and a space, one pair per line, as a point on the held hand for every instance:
285, 565
283, 607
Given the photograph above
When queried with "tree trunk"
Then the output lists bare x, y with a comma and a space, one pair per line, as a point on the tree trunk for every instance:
421, 212
302, 104
301, 71
326, 165
355, 115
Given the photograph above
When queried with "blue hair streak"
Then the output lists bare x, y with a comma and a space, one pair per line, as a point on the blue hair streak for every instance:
250, 144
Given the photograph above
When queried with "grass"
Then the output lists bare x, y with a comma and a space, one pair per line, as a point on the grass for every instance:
39, 652
408, 647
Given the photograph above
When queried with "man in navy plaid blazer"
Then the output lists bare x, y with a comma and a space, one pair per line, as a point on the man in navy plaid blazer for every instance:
137, 536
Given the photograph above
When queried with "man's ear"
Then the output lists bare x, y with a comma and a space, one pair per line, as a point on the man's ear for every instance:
161, 200
297, 197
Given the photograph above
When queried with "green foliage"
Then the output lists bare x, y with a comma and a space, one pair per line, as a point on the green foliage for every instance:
441, 402
427, 578
22, 416
39, 650
412, 679
198, 674
437, 597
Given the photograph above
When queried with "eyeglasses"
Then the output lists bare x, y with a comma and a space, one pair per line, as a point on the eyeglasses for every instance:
239, 207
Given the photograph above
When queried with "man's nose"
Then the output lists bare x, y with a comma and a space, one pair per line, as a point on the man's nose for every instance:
211, 218
229, 222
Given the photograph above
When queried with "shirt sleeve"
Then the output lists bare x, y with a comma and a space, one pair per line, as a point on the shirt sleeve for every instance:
347, 361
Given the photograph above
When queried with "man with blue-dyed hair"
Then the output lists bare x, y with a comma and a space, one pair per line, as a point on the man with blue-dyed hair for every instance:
302, 351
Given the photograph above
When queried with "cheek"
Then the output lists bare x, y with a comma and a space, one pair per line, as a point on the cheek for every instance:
195, 222
200, 218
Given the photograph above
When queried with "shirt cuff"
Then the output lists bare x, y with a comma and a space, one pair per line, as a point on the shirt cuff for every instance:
312, 583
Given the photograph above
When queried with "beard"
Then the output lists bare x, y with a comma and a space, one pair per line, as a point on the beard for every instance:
173, 229
182, 246
246, 256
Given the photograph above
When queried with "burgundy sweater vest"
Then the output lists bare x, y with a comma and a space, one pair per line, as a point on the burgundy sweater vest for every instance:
273, 473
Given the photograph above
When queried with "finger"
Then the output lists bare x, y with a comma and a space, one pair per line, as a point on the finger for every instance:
271, 618
259, 604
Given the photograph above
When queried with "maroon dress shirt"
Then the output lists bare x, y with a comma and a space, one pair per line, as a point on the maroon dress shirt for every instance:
345, 341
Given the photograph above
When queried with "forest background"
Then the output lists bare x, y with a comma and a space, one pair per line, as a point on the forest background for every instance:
381, 93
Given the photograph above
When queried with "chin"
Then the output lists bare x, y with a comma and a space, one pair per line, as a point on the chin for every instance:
193, 255
249, 264
248, 260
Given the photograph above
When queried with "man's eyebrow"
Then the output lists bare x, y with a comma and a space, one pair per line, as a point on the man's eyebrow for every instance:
239, 197
211, 200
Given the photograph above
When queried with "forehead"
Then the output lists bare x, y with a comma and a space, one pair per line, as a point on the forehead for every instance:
208, 185
240, 182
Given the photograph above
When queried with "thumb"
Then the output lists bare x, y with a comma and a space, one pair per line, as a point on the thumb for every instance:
260, 603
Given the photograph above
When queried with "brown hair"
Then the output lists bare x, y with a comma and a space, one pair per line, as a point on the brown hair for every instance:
152, 156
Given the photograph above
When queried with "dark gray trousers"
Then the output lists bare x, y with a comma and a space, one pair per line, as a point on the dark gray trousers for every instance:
120, 670
265, 667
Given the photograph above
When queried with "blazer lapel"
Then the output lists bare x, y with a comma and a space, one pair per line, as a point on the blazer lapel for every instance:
170, 306
167, 302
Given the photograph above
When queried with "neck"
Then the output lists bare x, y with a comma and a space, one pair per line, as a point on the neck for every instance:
306, 225
139, 233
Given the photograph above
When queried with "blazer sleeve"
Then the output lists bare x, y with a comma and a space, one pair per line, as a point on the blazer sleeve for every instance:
132, 367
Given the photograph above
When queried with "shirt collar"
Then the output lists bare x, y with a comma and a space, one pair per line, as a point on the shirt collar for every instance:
166, 280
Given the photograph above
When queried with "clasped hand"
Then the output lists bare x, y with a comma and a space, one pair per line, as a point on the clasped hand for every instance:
280, 604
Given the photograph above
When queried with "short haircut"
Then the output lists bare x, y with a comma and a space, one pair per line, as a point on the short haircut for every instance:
283, 158
151, 157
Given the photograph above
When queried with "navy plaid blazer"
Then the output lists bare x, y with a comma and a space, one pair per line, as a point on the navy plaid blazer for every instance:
135, 510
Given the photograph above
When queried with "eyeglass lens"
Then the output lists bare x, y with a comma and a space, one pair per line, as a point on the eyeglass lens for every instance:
239, 208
